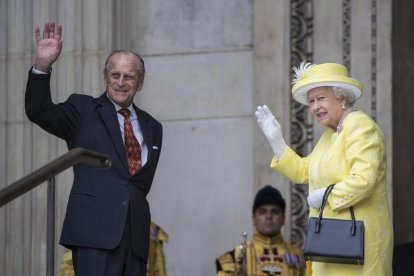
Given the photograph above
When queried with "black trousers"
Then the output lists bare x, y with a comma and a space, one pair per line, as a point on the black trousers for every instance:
120, 261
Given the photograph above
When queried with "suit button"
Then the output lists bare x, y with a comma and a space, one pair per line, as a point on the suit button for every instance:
124, 203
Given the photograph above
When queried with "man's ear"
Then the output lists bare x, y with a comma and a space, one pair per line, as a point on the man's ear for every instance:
140, 85
105, 80
253, 220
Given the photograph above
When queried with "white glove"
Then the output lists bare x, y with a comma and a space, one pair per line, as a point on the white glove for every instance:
271, 129
315, 198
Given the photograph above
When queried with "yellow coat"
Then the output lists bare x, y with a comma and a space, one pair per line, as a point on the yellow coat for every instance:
355, 160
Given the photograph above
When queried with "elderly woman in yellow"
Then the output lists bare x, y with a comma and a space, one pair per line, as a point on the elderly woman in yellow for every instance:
350, 153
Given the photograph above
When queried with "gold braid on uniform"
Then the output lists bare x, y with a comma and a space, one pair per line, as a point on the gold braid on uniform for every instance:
264, 257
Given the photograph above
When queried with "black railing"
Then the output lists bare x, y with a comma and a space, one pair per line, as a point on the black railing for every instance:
48, 173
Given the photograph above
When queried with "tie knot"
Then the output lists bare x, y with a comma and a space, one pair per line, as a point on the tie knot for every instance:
125, 112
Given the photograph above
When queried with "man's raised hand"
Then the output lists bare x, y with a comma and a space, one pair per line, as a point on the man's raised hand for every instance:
49, 46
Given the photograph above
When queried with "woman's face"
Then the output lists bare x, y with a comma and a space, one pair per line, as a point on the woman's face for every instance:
325, 107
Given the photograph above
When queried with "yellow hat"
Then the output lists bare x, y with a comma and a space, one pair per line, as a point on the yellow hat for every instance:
309, 76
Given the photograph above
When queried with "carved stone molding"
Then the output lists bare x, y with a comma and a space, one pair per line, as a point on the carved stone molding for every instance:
346, 38
301, 124
374, 59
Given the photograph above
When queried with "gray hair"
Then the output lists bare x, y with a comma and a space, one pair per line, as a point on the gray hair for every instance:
140, 62
342, 93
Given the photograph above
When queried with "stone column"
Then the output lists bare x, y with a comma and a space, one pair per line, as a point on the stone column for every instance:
24, 146
271, 61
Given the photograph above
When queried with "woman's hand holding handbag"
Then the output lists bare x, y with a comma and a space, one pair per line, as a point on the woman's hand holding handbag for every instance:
334, 240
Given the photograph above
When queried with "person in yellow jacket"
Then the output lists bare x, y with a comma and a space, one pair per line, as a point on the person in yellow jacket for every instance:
349, 154
267, 253
156, 257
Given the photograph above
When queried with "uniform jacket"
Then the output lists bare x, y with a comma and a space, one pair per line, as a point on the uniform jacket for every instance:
355, 160
156, 259
263, 257
99, 198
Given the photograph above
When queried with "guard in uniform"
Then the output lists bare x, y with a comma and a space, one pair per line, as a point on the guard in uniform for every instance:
267, 253
156, 257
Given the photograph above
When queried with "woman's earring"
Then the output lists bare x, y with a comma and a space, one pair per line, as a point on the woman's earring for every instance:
343, 106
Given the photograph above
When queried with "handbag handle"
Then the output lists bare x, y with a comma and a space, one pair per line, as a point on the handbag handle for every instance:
325, 199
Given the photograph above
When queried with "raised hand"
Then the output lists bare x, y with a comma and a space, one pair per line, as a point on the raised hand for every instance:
49, 46
271, 129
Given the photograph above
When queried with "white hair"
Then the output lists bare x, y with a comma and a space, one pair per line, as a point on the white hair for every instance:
342, 93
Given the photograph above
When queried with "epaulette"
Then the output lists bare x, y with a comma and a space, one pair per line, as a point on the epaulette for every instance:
226, 262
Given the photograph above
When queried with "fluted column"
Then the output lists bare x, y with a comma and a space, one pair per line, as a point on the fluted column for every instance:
87, 40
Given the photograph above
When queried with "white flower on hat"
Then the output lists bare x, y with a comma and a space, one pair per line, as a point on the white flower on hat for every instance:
301, 70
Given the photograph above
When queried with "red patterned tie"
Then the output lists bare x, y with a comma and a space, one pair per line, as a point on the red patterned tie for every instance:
132, 147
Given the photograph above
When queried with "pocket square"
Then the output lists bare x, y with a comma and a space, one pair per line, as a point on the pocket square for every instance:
155, 147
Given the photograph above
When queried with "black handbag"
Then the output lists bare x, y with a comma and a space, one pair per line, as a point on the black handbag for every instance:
334, 240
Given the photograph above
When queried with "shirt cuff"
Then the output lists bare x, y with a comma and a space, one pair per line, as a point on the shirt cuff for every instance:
38, 72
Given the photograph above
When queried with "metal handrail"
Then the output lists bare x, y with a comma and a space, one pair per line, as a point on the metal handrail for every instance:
48, 173
43, 174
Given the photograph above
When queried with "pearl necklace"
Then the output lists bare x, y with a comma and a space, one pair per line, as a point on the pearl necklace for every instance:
340, 127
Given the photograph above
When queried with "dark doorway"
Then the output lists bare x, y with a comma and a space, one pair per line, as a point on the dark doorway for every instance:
403, 119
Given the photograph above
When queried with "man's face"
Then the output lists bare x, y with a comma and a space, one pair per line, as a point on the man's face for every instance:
122, 81
268, 219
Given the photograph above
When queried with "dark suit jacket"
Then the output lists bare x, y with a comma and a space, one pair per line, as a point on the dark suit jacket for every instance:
99, 199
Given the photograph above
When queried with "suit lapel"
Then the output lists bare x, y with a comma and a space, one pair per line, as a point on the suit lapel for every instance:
145, 125
110, 120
